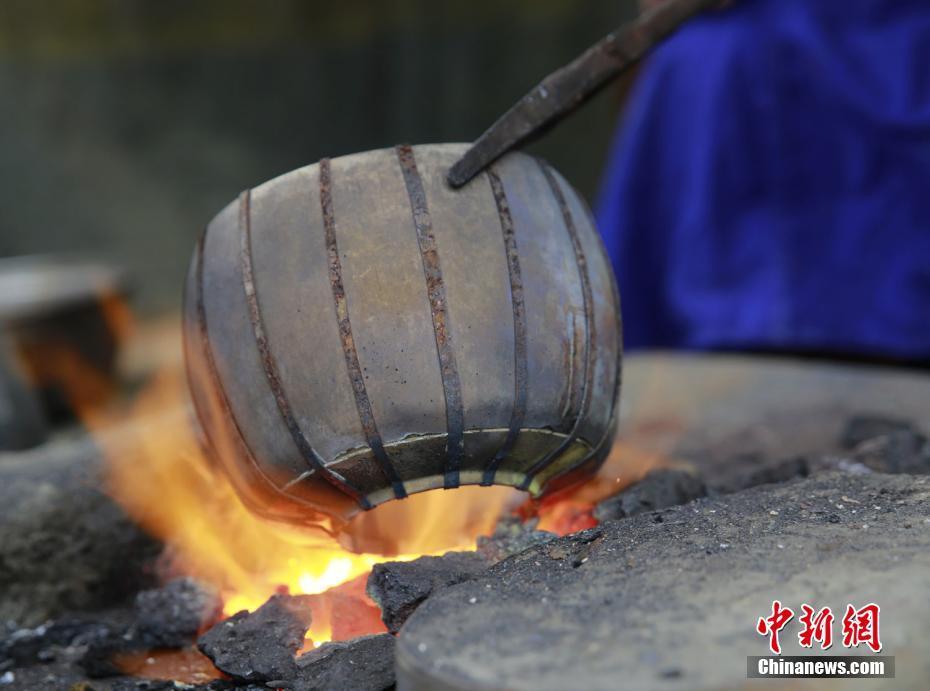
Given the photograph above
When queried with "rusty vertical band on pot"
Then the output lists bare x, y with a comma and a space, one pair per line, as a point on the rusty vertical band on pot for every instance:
309, 454
436, 292
213, 374
588, 303
618, 375
362, 402
518, 413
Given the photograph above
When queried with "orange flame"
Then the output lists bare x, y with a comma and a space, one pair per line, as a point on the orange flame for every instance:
159, 474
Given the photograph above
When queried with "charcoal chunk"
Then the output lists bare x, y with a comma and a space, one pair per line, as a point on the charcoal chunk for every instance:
861, 428
896, 452
512, 536
49, 677
171, 616
97, 660
260, 646
362, 664
660, 489
167, 617
398, 587
780, 471
31, 646
143, 685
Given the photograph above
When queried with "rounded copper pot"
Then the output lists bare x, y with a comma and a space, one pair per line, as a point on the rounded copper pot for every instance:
357, 331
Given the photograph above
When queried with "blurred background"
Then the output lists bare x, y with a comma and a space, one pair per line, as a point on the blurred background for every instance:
763, 192
126, 124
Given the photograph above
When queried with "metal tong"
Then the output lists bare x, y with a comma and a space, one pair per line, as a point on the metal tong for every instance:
563, 91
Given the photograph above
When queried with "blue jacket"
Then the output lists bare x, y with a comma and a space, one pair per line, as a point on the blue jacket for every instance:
769, 186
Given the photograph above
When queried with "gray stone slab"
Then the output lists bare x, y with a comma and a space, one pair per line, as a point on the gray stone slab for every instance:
738, 419
642, 604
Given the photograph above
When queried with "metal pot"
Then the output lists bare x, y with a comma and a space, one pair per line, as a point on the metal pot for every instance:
356, 331
65, 319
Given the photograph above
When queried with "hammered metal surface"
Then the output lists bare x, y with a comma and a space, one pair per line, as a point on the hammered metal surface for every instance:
356, 331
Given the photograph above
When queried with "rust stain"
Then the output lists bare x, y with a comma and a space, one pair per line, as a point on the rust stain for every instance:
590, 347
610, 430
518, 412
309, 454
362, 402
436, 293
217, 384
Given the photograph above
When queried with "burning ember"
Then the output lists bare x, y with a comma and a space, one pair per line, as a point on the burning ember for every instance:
237, 561
160, 475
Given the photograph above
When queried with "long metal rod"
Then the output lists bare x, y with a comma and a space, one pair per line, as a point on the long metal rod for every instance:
567, 88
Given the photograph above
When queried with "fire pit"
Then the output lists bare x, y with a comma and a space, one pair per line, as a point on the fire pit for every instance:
731, 479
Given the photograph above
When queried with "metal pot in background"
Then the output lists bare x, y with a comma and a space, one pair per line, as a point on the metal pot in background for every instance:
63, 319
22, 420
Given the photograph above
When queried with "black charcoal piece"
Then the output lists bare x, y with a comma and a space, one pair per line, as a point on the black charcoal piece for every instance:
22, 647
260, 646
361, 664
895, 452
398, 587
171, 616
145, 685
660, 489
780, 471
861, 428
97, 660
511, 536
